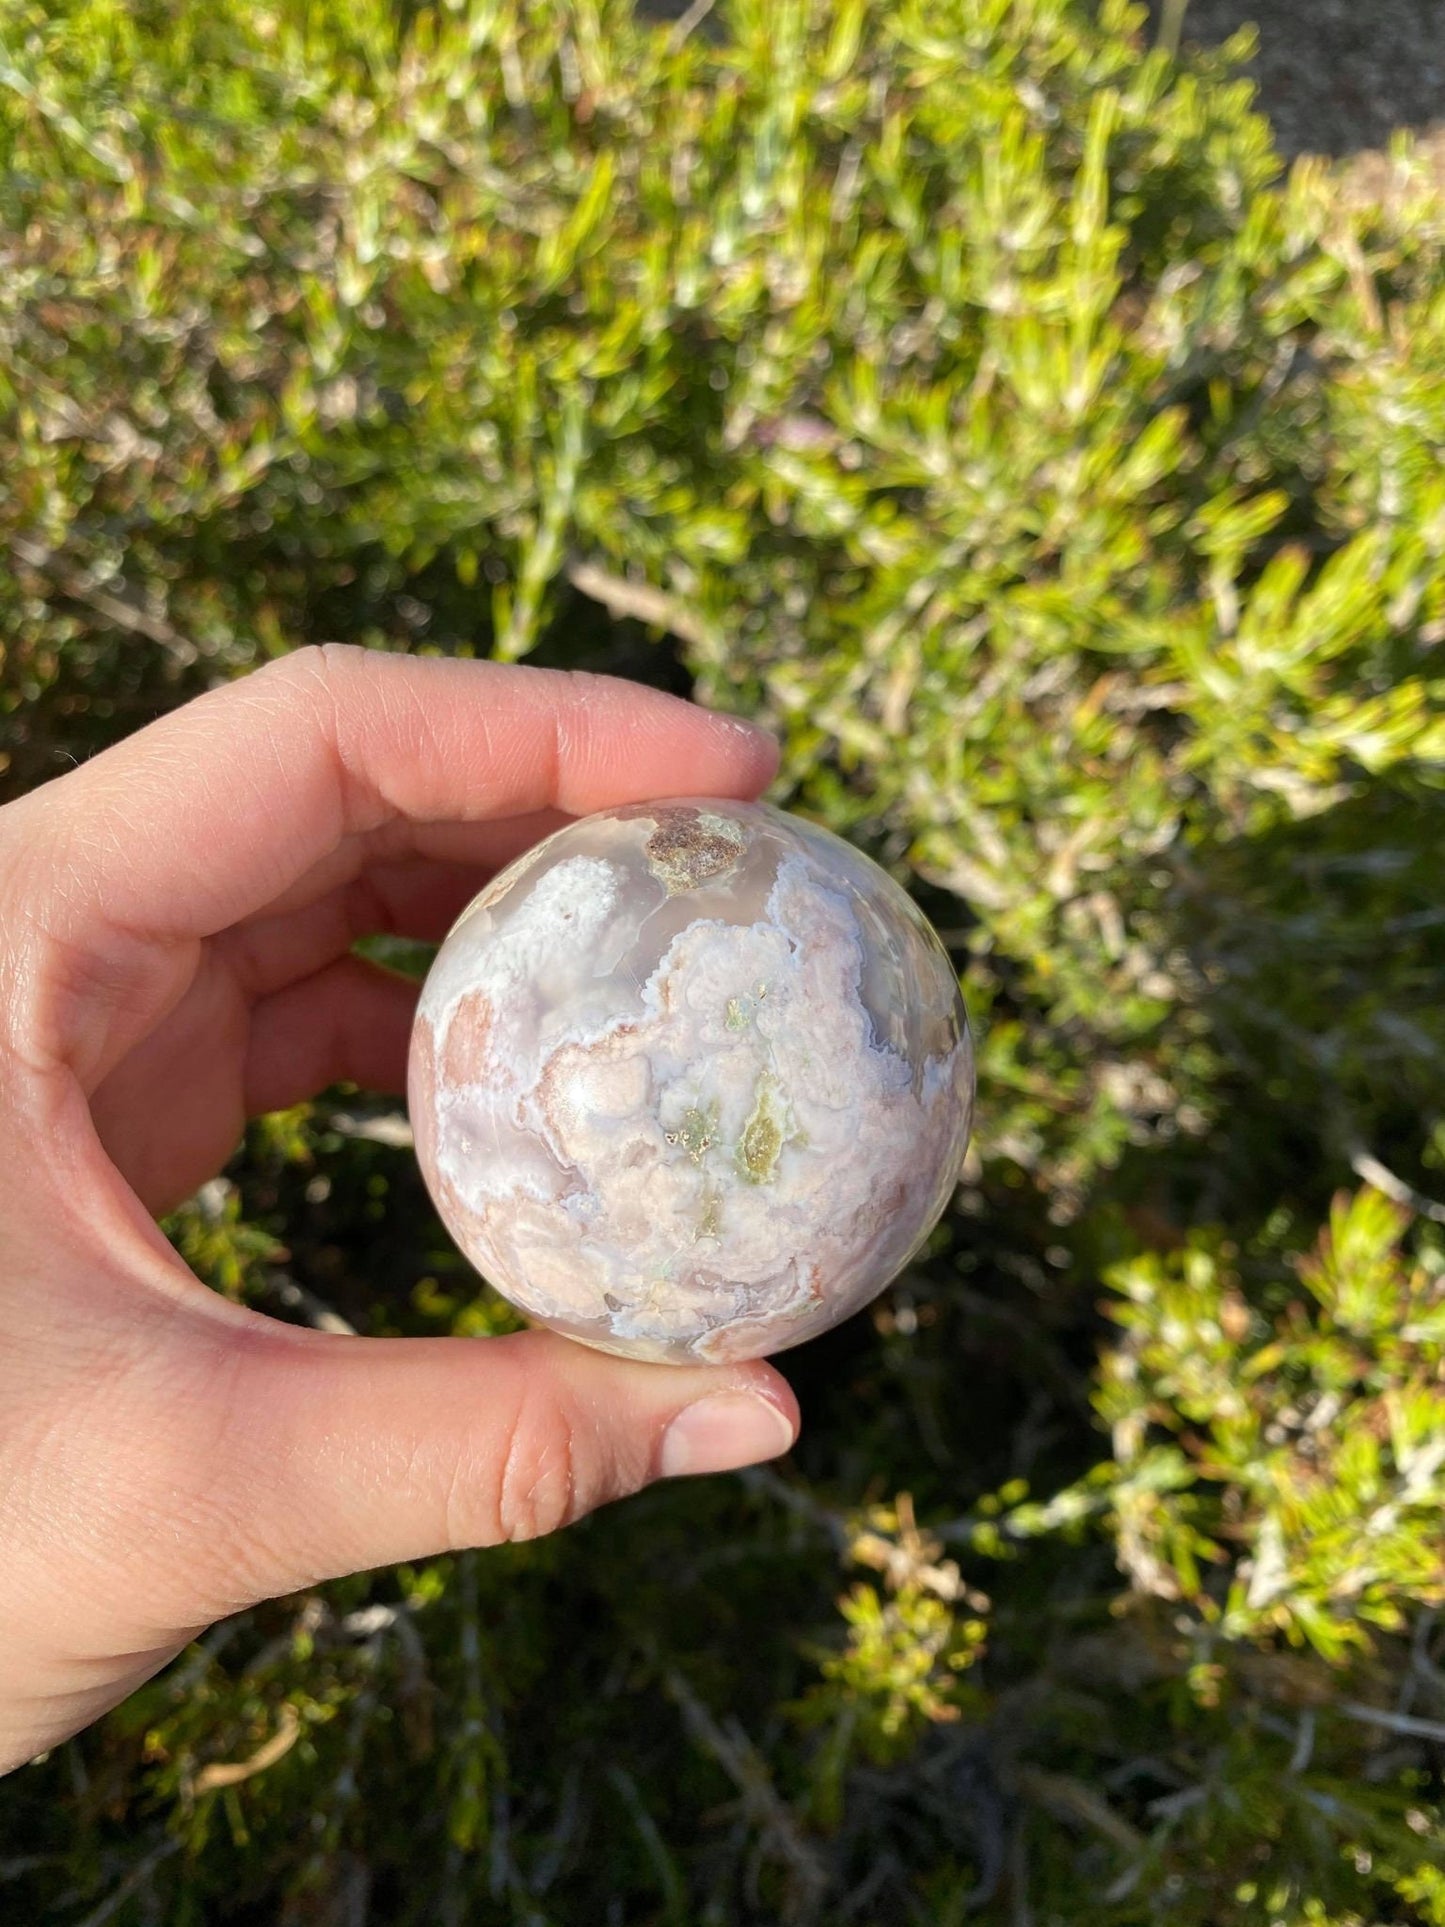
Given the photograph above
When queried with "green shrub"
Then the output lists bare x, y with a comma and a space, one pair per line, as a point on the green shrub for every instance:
963, 388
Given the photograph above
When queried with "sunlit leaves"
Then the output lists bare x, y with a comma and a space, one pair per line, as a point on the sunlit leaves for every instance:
1308, 1477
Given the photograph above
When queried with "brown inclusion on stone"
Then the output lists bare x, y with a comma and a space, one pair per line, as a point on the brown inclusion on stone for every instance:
689, 847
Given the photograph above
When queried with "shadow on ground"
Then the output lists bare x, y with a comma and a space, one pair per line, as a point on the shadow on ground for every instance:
1335, 76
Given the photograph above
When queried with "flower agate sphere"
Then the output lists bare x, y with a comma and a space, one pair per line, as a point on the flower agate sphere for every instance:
691, 1080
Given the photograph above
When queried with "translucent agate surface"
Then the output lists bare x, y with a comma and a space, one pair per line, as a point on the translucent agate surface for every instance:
691, 1080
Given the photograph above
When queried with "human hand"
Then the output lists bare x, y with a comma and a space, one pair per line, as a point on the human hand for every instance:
176, 919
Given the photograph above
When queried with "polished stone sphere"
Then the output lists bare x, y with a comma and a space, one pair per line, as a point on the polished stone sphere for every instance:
691, 1080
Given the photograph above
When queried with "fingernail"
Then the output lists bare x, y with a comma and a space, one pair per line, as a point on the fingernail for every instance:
718, 1433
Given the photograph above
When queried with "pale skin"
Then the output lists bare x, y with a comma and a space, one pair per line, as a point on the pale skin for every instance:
176, 922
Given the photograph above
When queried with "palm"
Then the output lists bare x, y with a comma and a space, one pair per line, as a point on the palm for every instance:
170, 1114
273, 1009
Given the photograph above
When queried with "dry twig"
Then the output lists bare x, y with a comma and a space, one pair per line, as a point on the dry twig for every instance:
1070, 1799
392, 1129
224, 1773
762, 1803
688, 23
1365, 1165
640, 600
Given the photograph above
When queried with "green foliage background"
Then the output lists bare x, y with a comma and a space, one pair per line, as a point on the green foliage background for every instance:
966, 390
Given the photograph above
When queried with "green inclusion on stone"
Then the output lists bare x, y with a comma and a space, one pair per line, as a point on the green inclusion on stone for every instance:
742, 1010
764, 1135
709, 1225
696, 1133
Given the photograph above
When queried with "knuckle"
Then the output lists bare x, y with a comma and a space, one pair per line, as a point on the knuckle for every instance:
313, 661
239, 1557
540, 1488
207, 1511
588, 682
317, 674
587, 693
296, 666
337, 661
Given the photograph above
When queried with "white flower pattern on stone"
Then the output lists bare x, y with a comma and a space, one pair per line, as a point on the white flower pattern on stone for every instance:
691, 1081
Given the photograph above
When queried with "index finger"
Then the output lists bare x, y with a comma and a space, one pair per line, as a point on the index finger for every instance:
208, 814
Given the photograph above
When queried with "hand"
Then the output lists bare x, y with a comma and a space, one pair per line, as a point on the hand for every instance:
176, 919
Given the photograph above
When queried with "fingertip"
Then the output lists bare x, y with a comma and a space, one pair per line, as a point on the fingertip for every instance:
766, 1381
691, 751
759, 750
765, 768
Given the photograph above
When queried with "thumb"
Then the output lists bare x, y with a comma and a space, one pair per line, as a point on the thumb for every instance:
360, 1452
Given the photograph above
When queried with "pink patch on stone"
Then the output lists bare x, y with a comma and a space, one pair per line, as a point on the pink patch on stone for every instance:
465, 1057
421, 1093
